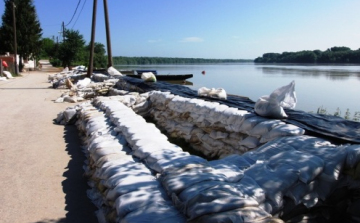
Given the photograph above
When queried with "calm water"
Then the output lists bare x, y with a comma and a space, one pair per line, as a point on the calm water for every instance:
328, 86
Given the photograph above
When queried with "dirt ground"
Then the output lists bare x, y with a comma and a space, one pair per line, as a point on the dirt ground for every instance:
40, 162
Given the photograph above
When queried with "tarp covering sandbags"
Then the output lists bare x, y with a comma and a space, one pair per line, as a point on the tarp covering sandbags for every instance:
335, 128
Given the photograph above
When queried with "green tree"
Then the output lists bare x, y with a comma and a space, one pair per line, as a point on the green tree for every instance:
48, 48
100, 59
28, 29
71, 50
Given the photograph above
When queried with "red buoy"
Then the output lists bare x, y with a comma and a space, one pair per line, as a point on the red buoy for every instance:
203, 72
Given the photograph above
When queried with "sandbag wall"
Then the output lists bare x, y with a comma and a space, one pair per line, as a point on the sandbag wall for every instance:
292, 177
137, 175
214, 129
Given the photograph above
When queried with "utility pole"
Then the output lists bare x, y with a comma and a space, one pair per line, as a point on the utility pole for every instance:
15, 42
91, 59
63, 31
108, 41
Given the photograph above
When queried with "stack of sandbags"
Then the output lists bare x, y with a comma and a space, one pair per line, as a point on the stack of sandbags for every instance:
124, 189
320, 168
214, 129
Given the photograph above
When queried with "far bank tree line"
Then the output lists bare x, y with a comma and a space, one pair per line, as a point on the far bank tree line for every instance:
331, 55
120, 60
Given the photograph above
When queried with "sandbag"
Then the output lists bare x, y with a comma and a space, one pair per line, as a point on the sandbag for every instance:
148, 77
273, 105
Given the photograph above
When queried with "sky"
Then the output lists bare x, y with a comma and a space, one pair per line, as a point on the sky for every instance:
227, 29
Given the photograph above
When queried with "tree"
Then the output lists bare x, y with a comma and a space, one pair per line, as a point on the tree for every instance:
71, 50
100, 59
28, 29
48, 48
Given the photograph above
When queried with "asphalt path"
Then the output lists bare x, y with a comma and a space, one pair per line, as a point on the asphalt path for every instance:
41, 175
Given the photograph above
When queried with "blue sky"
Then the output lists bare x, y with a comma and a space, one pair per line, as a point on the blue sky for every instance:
235, 29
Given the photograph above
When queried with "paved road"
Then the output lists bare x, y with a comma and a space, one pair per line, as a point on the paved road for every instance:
40, 162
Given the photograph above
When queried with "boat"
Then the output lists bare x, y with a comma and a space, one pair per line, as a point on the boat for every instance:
159, 77
166, 77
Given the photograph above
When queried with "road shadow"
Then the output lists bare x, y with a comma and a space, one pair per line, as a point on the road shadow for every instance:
78, 205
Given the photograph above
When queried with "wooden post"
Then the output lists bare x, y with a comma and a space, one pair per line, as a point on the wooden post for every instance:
1, 67
15, 42
108, 41
92, 43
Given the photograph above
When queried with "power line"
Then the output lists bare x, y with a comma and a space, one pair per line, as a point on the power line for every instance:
74, 13
79, 14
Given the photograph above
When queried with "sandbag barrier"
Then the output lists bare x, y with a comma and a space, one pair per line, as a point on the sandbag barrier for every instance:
214, 129
293, 177
134, 172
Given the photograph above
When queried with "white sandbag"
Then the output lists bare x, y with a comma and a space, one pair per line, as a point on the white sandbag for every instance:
240, 215
107, 150
83, 83
132, 183
7, 74
154, 213
142, 152
273, 105
176, 183
177, 162
113, 72
281, 131
108, 158
249, 123
230, 171
309, 166
69, 114
215, 200
264, 127
250, 142
228, 116
240, 118
273, 181
192, 190
334, 159
353, 155
250, 188
235, 159
137, 199
218, 134
113, 166
148, 77
120, 175
163, 154
212, 92
300, 189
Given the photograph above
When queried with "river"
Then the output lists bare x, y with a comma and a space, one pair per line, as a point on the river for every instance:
330, 87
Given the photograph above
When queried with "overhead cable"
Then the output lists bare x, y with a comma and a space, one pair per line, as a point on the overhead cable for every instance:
79, 14
74, 13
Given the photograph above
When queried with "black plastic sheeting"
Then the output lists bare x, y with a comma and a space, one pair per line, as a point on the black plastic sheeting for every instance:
333, 128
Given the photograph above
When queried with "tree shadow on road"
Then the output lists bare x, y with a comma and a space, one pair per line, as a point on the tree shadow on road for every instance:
78, 206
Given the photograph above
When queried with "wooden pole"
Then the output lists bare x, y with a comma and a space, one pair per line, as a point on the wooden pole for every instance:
15, 42
91, 59
108, 41
1, 67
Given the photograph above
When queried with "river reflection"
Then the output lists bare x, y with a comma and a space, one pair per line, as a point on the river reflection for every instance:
333, 74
